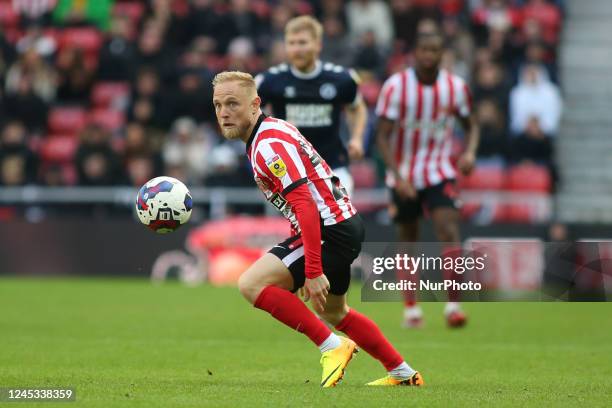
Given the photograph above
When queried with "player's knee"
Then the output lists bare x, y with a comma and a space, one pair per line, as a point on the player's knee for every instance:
249, 287
446, 231
335, 316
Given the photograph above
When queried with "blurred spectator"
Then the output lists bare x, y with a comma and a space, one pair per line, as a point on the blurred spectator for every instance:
118, 52
82, 12
31, 64
368, 56
74, 77
241, 21
96, 162
538, 53
7, 54
34, 12
490, 83
17, 162
336, 47
451, 63
547, 15
370, 15
533, 144
52, 175
493, 15
151, 51
535, 97
334, 9
26, 106
277, 54
405, 19
281, 14
493, 140
186, 153
205, 21
35, 38
241, 56
459, 40
140, 168
225, 169
147, 101
194, 96
142, 149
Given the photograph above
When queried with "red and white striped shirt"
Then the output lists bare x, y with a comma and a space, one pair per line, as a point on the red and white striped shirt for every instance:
282, 159
425, 116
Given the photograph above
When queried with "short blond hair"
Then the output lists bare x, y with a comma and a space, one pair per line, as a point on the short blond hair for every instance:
305, 23
244, 79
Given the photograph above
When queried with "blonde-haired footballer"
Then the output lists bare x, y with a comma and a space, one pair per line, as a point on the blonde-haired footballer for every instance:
327, 237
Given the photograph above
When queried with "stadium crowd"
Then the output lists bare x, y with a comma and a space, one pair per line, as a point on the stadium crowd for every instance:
114, 92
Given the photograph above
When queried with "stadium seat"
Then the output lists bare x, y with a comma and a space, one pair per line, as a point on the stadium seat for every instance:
67, 120
109, 119
484, 178
370, 91
88, 39
132, 9
8, 16
364, 174
514, 213
110, 94
58, 148
528, 177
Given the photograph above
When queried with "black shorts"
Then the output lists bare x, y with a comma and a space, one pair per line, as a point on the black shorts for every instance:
341, 245
444, 194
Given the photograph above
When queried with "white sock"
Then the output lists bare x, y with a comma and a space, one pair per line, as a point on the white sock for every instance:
413, 312
330, 343
451, 307
402, 371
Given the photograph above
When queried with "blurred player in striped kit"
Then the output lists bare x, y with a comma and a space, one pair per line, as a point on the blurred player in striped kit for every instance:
416, 113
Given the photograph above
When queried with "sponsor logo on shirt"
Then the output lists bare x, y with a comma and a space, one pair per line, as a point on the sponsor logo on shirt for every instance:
278, 201
277, 166
309, 114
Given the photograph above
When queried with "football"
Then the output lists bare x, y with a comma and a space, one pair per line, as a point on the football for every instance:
163, 204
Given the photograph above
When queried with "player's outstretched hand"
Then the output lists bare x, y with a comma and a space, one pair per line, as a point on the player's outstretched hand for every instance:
316, 291
466, 163
355, 150
405, 189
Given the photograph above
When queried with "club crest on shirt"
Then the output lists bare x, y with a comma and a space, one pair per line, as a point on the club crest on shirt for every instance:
277, 166
290, 92
328, 91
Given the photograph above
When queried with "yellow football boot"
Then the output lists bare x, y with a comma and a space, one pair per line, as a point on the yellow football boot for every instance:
334, 362
416, 380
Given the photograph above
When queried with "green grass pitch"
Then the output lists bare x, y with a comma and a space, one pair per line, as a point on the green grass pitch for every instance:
129, 343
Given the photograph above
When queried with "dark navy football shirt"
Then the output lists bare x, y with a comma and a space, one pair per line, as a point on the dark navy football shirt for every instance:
313, 103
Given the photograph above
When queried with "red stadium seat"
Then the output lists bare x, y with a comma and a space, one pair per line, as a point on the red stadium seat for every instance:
529, 177
514, 213
132, 9
68, 120
484, 178
58, 149
364, 174
370, 91
8, 16
109, 94
109, 119
88, 39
